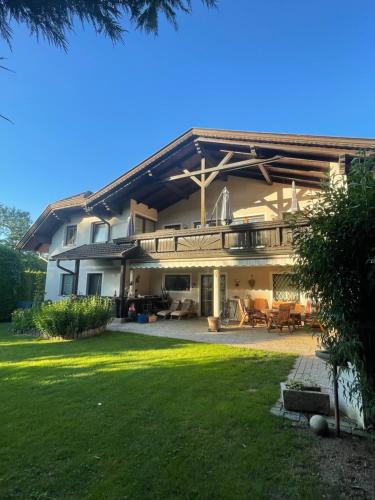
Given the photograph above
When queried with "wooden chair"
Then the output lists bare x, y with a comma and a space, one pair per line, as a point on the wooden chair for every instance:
166, 313
298, 314
259, 314
186, 311
244, 313
281, 319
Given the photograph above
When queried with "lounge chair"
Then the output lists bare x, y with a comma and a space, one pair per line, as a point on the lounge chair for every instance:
186, 310
166, 313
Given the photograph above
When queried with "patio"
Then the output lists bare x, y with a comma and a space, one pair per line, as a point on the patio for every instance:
300, 342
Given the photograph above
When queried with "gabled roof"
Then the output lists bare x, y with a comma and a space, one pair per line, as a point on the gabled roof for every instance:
302, 158
306, 153
97, 251
52, 216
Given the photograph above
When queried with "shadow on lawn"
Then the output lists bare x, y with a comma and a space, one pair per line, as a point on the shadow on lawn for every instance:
15, 346
128, 355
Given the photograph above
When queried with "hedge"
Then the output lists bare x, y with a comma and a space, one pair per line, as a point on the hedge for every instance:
69, 318
32, 285
10, 281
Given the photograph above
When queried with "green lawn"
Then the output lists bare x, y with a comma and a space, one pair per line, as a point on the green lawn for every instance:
129, 416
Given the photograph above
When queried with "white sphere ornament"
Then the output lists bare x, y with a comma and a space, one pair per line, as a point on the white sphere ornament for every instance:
319, 425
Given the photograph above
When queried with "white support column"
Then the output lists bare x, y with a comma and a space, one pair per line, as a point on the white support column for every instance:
216, 293
131, 283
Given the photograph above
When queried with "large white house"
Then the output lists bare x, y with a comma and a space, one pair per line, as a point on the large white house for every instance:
179, 241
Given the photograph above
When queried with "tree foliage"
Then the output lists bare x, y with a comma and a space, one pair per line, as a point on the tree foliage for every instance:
335, 264
54, 19
13, 225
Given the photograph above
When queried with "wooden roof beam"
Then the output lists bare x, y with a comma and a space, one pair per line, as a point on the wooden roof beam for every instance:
265, 174
328, 151
308, 173
228, 166
319, 164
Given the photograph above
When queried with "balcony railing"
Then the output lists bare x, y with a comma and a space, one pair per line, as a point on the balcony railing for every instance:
244, 237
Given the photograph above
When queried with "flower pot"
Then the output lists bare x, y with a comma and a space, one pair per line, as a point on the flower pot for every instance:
213, 324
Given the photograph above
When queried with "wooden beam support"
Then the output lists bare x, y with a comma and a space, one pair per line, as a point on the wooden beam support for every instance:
291, 171
308, 162
329, 151
170, 185
203, 192
213, 175
188, 174
265, 174
228, 166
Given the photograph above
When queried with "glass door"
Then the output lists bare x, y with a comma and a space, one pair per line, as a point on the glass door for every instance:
207, 293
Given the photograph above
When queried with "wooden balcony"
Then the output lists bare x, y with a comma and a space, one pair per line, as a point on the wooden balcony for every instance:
261, 237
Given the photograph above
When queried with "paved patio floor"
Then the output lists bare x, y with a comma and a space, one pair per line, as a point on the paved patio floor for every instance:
299, 342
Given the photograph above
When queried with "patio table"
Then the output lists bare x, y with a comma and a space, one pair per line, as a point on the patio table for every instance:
294, 316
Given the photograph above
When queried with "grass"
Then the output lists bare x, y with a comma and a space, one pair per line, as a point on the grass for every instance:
128, 416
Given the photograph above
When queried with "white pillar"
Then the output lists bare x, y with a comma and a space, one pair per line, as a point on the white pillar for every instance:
131, 283
216, 291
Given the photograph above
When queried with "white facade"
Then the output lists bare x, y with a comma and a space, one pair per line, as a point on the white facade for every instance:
249, 198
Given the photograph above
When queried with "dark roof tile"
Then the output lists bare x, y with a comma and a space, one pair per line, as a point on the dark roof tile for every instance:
97, 251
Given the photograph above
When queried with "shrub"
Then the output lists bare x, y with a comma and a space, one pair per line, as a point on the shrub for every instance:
23, 319
335, 264
69, 318
10, 278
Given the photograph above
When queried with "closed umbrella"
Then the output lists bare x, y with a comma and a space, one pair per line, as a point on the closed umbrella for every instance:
295, 206
226, 213
130, 226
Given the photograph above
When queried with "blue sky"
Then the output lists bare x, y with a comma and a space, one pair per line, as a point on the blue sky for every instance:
84, 117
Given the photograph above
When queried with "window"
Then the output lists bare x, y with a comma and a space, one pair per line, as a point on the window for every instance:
248, 220
143, 225
66, 284
99, 232
94, 284
70, 235
284, 288
177, 282
197, 225
172, 226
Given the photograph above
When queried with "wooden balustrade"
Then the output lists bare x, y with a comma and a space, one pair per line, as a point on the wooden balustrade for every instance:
264, 235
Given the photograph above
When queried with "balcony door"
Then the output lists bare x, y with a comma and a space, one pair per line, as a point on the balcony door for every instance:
207, 293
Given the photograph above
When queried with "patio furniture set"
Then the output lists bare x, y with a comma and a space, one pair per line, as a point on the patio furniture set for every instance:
282, 314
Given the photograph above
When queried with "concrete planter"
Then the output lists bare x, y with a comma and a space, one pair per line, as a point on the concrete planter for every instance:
306, 401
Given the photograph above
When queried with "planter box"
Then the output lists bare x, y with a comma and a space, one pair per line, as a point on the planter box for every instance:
306, 401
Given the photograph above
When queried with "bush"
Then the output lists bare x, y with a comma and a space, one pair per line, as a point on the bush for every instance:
10, 279
335, 264
69, 318
23, 320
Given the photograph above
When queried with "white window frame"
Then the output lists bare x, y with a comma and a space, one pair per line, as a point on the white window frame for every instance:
101, 285
93, 224
61, 284
65, 244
